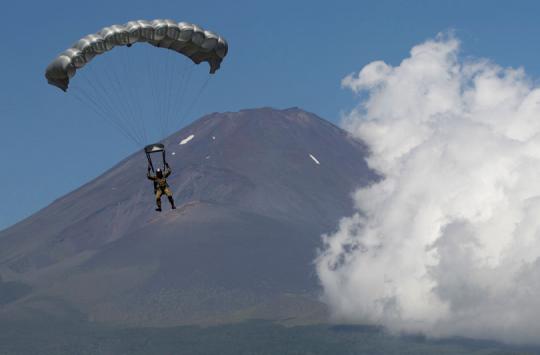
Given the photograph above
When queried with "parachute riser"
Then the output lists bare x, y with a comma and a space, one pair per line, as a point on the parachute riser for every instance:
150, 162
155, 148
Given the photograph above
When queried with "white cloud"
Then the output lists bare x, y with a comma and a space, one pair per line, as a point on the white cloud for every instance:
448, 242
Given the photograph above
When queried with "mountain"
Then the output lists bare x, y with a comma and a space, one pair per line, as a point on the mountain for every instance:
255, 190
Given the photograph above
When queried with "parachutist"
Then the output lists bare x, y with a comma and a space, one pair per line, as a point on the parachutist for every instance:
161, 186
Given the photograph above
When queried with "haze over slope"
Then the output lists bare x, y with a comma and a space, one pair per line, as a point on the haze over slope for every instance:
255, 189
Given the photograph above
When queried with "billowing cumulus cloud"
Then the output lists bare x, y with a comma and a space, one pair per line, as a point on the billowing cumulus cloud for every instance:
447, 242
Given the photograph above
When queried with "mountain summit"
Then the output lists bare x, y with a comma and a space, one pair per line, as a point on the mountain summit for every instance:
255, 189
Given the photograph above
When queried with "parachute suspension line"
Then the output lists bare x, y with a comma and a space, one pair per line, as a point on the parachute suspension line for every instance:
182, 95
107, 116
176, 81
91, 101
122, 102
94, 106
173, 93
129, 101
109, 97
149, 81
164, 80
113, 94
101, 101
169, 92
197, 96
171, 84
162, 73
105, 97
167, 82
133, 91
152, 79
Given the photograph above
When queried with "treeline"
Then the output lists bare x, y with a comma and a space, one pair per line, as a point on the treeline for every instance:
253, 338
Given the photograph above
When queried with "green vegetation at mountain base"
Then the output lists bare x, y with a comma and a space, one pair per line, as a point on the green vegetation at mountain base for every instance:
253, 338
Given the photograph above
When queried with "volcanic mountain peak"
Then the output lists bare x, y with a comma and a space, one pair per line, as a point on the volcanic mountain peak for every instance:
255, 189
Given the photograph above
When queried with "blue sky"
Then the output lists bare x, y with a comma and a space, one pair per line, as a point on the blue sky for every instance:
282, 54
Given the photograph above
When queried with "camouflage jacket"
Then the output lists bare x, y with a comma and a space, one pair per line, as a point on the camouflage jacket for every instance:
160, 183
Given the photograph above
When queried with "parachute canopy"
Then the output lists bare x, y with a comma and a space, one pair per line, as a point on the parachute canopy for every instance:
188, 39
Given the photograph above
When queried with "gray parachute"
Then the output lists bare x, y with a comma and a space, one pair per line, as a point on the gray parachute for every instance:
188, 39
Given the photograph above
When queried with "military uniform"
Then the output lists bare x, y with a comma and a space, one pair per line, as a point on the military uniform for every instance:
162, 187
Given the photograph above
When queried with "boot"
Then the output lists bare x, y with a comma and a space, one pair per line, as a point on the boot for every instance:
158, 202
172, 203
